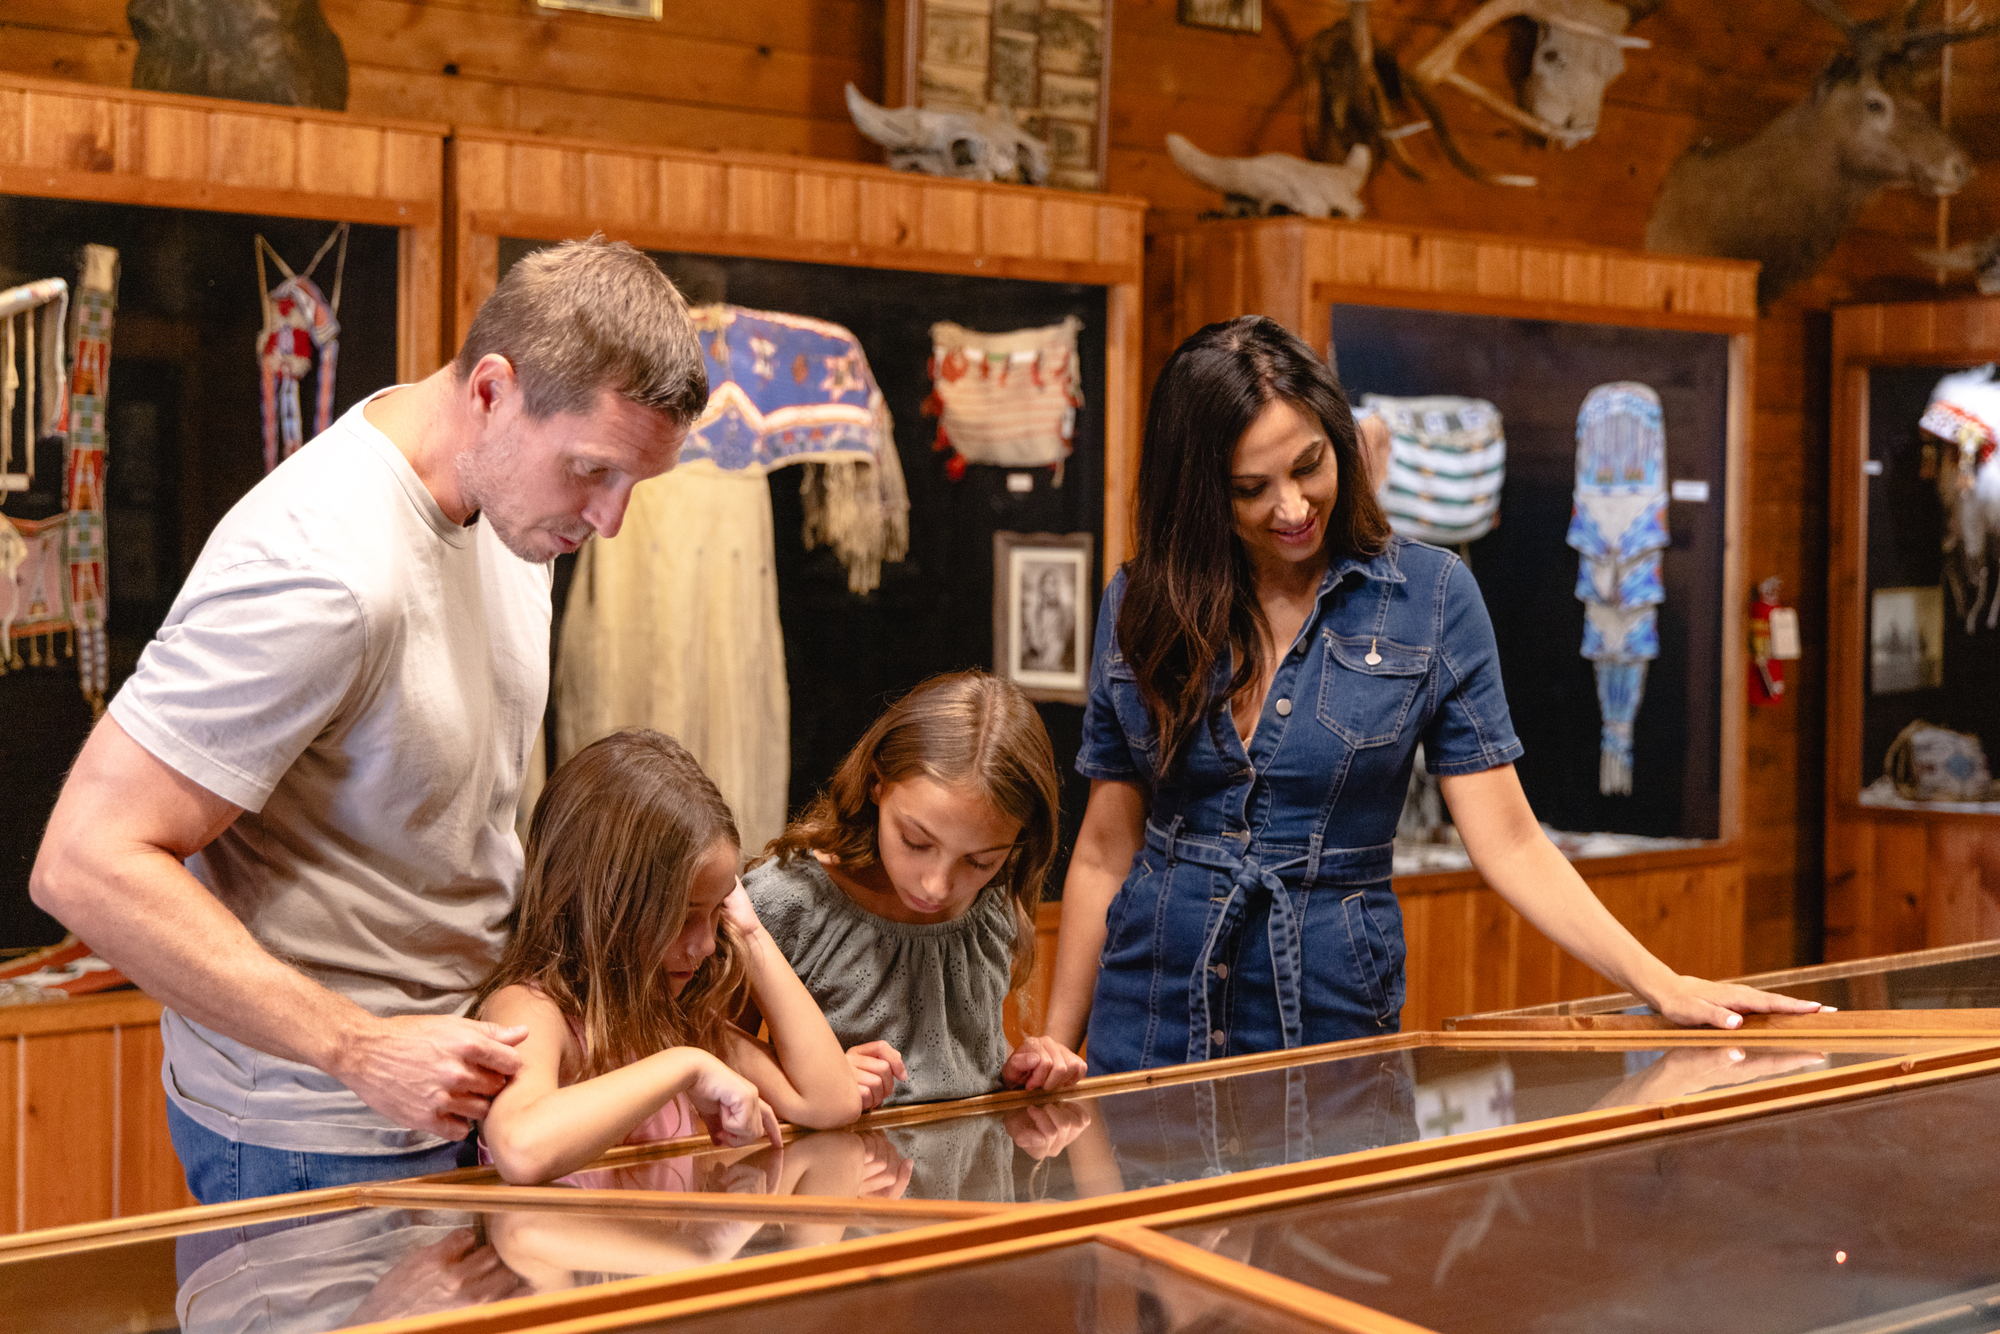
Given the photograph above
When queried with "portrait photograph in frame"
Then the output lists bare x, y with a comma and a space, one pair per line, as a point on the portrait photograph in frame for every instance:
1043, 613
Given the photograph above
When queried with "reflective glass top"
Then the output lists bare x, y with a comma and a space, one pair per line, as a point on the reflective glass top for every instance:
1904, 982
330, 1271
1100, 1144
1090, 1289
1873, 1214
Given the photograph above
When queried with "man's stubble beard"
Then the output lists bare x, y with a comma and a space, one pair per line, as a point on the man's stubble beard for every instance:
487, 473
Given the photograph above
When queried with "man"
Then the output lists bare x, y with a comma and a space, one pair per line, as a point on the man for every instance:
295, 827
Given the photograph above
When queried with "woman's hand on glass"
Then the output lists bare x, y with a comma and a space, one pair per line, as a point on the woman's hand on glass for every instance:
1695, 1002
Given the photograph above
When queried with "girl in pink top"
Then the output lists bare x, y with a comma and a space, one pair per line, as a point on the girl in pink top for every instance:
632, 943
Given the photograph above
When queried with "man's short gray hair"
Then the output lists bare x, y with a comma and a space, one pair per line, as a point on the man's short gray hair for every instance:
582, 317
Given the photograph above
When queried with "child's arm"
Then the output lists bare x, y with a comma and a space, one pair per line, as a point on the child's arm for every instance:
802, 1071
538, 1130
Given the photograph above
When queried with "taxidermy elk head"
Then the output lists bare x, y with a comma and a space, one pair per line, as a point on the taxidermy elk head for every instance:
1785, 197
951, 143
280, 51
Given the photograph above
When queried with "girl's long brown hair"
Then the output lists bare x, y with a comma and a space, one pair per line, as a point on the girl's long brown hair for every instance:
612, 852
1190, 595
961, 729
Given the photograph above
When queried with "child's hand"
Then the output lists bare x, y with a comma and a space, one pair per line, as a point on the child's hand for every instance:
739, 912
1045, 1130
1042, 1063
730, 1107
877, 1067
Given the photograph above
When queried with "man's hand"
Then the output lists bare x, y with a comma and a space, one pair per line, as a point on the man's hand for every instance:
433, 1073
451, 1273
1042, 1063
877, 1067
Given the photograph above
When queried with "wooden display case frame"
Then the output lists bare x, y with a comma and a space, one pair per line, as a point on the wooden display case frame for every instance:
952, 1233
1128, 1221
1896, 880
164, 150
83, 1131
743, 205
1956, 1020
1468, 950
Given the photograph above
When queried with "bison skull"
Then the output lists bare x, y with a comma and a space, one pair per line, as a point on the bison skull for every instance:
1572, 67
1271, 181
951, 143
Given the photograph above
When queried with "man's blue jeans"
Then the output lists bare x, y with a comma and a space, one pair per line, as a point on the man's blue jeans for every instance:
220, 1169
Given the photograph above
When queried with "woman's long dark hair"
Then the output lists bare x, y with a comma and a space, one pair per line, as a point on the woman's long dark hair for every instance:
1190, 596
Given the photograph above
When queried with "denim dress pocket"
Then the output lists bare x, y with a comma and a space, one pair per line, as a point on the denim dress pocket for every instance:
1366, 703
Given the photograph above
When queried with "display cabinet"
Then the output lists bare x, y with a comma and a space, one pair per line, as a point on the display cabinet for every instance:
1904, 869
1530, 327
180, 186
656, 1232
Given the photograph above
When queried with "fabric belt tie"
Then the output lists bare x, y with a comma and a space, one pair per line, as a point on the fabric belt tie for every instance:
1249, 874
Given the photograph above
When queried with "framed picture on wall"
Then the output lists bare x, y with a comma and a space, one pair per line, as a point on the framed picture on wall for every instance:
1234, 15
1042, 613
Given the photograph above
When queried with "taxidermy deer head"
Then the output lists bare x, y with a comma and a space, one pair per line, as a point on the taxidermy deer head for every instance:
280, 51
1278, 182
951, 143
1785, 197
1350, 86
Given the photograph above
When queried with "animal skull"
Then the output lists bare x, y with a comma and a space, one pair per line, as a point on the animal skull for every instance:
1980, 258
951, 143
1572, 67
1271, 181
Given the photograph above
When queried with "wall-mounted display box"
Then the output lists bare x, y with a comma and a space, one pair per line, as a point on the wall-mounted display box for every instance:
1531, 327
1906, 868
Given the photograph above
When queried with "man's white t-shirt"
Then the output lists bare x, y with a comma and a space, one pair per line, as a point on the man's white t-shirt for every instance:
365, 679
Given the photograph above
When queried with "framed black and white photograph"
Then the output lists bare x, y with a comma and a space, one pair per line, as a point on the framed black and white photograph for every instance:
1042, 613
1234, 15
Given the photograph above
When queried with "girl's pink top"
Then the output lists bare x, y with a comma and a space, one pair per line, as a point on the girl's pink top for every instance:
673, 1120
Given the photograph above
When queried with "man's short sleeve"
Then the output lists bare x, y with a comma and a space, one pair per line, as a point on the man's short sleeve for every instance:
251, 665
1106, 751
1472, 730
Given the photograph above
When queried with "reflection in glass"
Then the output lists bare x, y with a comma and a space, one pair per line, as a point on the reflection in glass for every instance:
1082, 1288
334, 1270
1872, 1214
1111, 1142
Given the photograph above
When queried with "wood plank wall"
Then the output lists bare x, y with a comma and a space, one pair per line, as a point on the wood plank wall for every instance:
767, 75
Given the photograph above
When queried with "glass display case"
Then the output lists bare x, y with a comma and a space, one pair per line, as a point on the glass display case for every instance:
1190, 1124
1528, 331
1913, 817
1862, 1215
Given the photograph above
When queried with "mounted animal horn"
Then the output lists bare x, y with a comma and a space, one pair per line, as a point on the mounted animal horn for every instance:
1587, 40
1272, 181
951, 143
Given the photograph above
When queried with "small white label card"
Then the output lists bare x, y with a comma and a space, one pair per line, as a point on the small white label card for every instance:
1694, 491
1784, 632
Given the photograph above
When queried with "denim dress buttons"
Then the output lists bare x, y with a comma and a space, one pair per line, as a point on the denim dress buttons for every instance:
1258, 915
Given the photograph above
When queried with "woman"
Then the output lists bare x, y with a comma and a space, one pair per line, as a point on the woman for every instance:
1266, 665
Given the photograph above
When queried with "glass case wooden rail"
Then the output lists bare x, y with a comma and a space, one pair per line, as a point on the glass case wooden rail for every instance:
1934, 982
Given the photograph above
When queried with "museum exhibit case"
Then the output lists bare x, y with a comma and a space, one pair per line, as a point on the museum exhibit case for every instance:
883, 260
1816, 1217
1955, 984
654, 1229
1550, 353
182, 188
1912, 815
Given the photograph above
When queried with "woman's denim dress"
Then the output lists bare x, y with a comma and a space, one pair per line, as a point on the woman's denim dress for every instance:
1258, 915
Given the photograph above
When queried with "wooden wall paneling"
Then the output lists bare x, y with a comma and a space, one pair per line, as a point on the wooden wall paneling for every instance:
11, 1145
